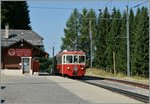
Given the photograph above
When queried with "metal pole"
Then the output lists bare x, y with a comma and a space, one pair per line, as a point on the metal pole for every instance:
0, 66
149, 47
128, 45
91, 58
53, 62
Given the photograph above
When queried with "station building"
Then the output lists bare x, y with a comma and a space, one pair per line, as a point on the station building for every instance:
20, 51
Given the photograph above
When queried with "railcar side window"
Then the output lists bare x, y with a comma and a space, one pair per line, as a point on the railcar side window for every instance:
68, 59
63, 59
81, 59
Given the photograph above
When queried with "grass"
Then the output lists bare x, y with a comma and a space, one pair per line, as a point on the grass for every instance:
103, 73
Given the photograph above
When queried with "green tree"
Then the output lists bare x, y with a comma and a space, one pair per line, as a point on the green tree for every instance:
100, 40
113, 37
71, 31
135, 43
132, 28
140, 43
121, 56
45, 64
16, 14
84, 38
84, 31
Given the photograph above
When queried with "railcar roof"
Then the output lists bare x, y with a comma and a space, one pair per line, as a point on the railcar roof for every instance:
71, 52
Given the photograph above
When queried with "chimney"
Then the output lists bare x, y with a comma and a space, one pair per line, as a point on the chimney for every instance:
6, 31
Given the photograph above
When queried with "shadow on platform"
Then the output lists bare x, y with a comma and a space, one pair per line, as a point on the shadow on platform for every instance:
45, 74
2, 101
3, 87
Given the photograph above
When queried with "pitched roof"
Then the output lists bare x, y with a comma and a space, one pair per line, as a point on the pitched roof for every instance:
41, 52
16, 35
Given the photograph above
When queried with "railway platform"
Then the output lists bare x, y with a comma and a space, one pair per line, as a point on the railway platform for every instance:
92, 94
56, 90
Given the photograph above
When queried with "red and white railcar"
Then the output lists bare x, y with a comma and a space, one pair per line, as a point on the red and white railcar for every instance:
70, 63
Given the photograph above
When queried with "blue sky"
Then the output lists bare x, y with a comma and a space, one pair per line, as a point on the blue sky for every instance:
48, 18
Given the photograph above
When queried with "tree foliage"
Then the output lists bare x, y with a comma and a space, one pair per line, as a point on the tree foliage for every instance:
109, 36
16, 14
103, 29
121, 59
71, 31
84, 34
45, 64
140, 43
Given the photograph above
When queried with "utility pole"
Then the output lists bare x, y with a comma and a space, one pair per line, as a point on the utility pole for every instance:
128, 44
149, 44
114, 61
53, 61
90, 32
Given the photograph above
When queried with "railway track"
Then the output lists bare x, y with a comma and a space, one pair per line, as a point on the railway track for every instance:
139, 97
145, 86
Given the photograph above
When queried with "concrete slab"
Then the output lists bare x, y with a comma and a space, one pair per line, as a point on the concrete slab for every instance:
35, 90
92, 93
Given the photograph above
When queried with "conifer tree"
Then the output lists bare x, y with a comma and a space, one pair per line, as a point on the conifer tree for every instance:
119, 41
71, 31
121, 56
140, 43
100, 40
112, 38
84, 31
16, 14
84, 41
132, 27
135, 43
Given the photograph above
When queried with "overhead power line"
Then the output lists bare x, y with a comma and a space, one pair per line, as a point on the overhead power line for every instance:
64, 8
140, 4
59, 8
51, 8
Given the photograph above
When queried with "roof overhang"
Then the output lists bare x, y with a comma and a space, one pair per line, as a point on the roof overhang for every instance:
22, 41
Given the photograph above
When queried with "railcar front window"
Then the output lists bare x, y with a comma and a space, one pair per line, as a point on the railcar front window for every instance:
68, 59
81, 59
75, 59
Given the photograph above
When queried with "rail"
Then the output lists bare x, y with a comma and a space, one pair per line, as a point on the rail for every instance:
145, 86
136, 96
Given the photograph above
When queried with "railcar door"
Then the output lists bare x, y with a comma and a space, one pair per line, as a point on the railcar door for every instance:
75, 66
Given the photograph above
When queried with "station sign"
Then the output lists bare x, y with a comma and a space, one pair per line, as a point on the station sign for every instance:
19, 52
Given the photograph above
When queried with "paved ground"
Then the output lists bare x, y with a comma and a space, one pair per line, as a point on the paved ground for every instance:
56, 90
92, 94
35, 90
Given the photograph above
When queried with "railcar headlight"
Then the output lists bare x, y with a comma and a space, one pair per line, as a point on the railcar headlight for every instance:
82, 68
68, 68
